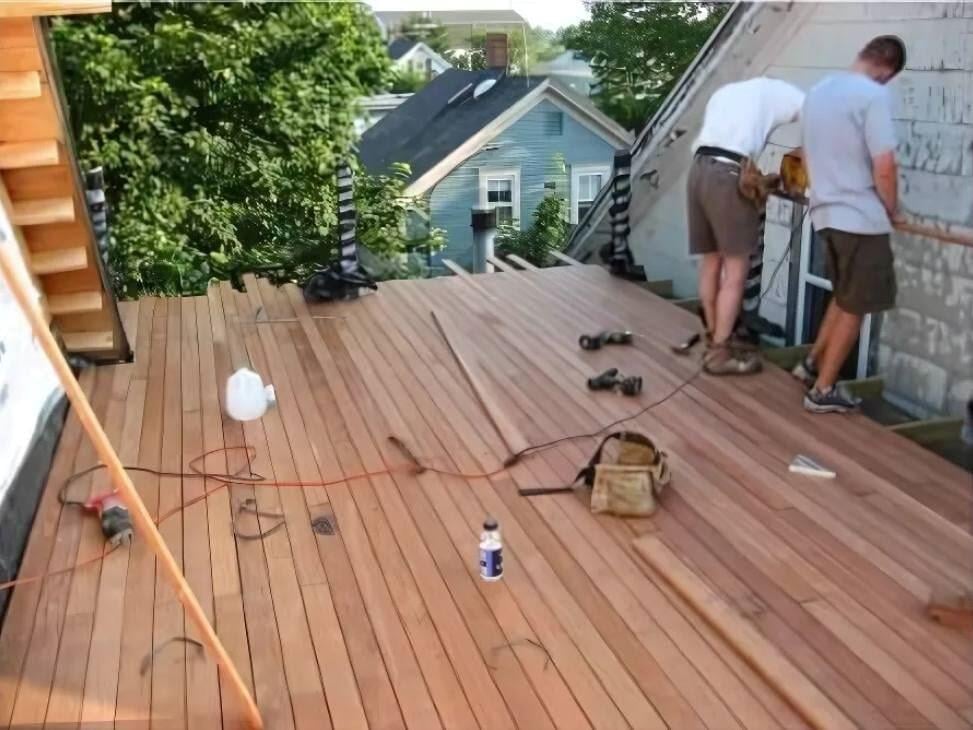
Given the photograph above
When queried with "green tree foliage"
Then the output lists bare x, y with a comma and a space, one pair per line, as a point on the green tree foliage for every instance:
548, 232
407, 81
220, 126
639, 50
431, 33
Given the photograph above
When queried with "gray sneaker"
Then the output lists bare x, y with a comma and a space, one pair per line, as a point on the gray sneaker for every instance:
833, 400
806, 372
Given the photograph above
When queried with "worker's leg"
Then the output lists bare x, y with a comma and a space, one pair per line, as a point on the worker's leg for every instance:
710, 269
824, 332
730, 296
863, 276
702, 241
841, 338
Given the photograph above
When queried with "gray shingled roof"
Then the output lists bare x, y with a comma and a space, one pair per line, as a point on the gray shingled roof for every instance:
400, 46
427, 128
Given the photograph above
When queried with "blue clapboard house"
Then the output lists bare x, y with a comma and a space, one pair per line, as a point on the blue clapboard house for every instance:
489, 139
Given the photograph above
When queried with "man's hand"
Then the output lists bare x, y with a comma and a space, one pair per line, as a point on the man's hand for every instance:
897, 219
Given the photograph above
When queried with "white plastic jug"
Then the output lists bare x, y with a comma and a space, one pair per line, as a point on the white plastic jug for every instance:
247, 398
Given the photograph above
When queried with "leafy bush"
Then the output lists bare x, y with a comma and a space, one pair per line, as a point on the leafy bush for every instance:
407, 81
547, 233
220, 127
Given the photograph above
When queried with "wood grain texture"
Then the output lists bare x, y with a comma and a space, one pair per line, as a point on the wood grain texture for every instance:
383, 622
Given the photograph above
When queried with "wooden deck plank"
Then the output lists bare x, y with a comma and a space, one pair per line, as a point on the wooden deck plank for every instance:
779, 424
202, 684
134, 690
634, 580
508, 672
22, 611
423, 602
386, 623
290, 560
104, 657
813, 704
68, 689
168, 666
412, 692
445, 525
266, 652
227, 595
37, 677
545, 576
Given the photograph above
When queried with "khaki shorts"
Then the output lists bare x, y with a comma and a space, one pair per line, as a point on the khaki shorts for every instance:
720, 219
861, 269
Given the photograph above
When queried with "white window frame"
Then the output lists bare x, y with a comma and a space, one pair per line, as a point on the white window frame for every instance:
501, 173
806, 278
576, 172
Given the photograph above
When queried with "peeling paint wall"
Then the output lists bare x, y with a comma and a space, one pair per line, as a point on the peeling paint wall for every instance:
926, 345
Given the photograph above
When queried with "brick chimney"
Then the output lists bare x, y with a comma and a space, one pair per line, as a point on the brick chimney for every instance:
496, 51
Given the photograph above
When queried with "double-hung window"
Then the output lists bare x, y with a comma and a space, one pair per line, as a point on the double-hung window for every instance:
586, 182
500, 191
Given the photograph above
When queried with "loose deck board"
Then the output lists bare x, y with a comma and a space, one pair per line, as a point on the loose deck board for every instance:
385, 623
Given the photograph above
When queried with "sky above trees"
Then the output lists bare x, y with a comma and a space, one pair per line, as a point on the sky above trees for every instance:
549, 14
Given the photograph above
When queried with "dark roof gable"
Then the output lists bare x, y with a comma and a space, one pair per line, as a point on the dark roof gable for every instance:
400, 46
439, 118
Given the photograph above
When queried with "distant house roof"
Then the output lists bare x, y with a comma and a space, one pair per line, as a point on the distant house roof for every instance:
444, 121
392, 19
400, 46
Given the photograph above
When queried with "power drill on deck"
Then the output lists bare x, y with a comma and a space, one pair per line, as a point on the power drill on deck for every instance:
116, 523
611, 380
596, 342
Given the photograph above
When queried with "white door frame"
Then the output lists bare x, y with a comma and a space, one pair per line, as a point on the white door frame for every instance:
805, 278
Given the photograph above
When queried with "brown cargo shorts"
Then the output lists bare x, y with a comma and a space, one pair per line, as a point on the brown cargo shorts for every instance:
861, 269
721, 220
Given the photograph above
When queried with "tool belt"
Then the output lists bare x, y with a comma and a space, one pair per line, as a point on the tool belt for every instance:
630, 486
752, 184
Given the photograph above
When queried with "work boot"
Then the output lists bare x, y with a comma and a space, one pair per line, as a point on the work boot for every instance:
832, 400
806, 371
726, 360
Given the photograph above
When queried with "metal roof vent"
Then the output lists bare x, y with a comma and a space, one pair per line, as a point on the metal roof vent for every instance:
483, 87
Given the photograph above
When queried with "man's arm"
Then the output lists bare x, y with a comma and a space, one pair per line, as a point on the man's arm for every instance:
880, 139
885, 174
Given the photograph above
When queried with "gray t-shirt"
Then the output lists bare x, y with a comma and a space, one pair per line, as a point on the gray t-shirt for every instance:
846, 121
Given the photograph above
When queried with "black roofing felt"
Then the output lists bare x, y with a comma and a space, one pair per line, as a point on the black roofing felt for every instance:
427, 128
400, 46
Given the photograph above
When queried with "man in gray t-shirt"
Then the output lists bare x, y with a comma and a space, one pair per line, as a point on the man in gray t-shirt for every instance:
849, 148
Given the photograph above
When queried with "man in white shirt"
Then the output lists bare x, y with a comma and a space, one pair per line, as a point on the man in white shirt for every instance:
849, 147
725, 226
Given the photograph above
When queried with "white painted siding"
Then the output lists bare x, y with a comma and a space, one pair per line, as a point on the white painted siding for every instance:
926, 344
27, 380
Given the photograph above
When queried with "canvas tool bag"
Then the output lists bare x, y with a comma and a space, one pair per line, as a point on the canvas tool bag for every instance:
630, 485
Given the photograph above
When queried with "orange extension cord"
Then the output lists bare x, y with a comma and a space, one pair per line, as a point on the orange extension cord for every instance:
413, 466
224, 480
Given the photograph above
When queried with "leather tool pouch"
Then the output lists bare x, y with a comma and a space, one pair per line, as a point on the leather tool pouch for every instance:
630, 486
754, 185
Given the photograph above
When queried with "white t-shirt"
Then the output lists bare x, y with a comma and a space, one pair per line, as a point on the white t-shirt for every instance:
740, 116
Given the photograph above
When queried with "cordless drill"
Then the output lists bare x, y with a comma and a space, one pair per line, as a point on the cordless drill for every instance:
611, 380
116, 524
596, 342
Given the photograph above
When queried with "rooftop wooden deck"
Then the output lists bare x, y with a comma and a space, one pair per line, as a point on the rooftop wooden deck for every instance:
385, 623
